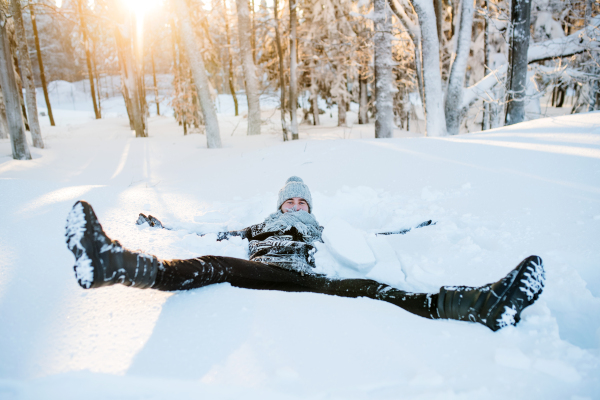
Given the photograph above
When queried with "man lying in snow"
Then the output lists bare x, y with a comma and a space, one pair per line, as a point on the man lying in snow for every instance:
282, 258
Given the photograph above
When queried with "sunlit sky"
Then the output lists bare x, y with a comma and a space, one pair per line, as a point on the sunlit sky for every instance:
145, 5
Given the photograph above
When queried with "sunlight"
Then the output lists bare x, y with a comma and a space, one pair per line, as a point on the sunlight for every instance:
140, 7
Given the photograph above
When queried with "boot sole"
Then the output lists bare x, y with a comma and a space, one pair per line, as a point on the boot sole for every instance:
526, 287
80, 240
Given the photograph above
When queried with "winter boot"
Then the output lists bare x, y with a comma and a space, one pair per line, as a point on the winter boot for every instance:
495, 305
100, 261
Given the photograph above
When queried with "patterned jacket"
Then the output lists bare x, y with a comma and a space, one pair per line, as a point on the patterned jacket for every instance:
286, 248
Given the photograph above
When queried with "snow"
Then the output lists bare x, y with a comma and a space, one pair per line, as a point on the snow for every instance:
349, 245
497, 197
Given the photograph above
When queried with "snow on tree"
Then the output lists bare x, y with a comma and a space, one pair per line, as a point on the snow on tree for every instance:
12, 101
27, 76
459, 68
382, 40
517, 61
194, 55
252, 90
432, 79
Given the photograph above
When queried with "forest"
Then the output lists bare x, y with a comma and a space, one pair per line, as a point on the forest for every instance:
458, 65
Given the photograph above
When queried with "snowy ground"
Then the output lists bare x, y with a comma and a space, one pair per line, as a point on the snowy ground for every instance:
497, 197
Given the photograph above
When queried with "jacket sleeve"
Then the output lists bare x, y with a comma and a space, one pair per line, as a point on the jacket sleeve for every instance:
243, 233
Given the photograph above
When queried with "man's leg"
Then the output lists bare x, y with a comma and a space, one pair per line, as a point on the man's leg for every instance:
495, 305
202, 271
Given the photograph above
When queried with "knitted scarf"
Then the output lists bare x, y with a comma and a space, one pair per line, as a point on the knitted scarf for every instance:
306, 224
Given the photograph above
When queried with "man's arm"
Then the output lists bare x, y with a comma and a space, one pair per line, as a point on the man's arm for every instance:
155, 223
405, 231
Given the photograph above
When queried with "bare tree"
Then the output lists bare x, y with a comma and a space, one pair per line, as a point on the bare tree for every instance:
40, 62
230, 59
27, 76
86, 45
284, 126
432, 79
516, 81
4, 134
252, 95
293, 69
131, 82
194, 55
382, 41
459, 68
12, 102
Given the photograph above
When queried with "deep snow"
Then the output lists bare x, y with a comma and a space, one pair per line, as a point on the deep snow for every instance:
497, 197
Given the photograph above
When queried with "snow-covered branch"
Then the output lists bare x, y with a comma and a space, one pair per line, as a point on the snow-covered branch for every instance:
584, 39
578, 42
478, 90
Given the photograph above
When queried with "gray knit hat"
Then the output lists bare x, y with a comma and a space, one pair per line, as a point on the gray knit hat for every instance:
294, 187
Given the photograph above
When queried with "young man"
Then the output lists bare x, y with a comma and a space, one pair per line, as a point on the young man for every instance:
281, 257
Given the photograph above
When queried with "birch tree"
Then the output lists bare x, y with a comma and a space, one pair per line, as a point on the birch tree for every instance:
88, 57
459, 68
293, 70
252, 91
194, 55
27, 76
432, 79
4, 134
131, 81
516, 81
12, 101
38, 50
382, 43
281, 74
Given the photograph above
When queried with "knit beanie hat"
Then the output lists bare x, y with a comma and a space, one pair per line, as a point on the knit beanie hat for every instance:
294, 187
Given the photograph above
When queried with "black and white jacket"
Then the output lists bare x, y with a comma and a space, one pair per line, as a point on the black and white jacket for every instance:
283, 239
288, 244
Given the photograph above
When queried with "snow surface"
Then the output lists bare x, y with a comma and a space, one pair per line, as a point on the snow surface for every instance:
497, 197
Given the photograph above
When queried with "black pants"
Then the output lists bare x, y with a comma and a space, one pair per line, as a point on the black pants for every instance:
203, 271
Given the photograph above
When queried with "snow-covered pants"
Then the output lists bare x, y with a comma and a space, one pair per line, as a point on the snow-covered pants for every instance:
206, 270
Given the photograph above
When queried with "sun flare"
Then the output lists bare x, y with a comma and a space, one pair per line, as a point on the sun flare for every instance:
140, 7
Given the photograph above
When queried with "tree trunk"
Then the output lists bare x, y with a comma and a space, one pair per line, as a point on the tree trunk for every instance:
252, 90
27, 76
456, 82
414, 31
516, 82
594, 83
194, 55
155, 84
384, 85
252, 31
293, 72
363, 101
314, 97
341, 111
41, 63
12, 102
432, 79
439, 18
4, 133
485, 120
177, 73
230, 60
284, 126
99, 94
132, 93
86, 45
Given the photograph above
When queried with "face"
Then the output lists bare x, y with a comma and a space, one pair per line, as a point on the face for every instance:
294, 204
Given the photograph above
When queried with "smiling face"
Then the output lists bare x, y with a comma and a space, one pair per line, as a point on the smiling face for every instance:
294, 204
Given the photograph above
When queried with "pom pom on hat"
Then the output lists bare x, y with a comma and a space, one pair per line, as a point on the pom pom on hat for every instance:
294, 187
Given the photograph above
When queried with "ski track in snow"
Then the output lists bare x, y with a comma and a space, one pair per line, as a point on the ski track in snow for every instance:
494, 202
